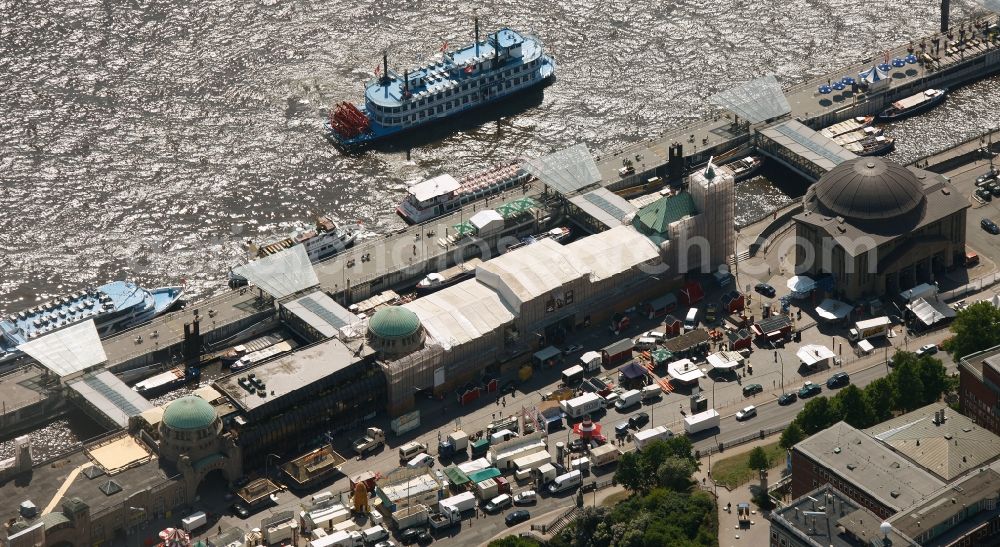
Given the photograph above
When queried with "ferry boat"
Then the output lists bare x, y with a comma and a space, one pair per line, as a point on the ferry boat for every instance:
438, 280
114, 307
166, 381
872, 146
325, 240
859, 135
505, 64
744, 168
443, 194
559, 234
847, 126
913, 104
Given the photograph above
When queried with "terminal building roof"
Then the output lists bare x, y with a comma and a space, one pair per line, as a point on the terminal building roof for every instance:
604, 206
530, 272
461, 313
69, 351
285, 375
567, 171
110, 396
614, 251
281, 274
947, 449
322, 313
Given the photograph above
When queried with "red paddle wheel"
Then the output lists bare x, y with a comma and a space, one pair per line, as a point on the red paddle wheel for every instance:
349, 122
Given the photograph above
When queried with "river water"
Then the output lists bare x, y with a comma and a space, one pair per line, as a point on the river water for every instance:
147, 139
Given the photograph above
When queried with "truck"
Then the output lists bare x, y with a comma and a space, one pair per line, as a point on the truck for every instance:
373, 440
604, 454
339, 539
572, 375
701, 421
487, 489
480, 447
646, 436
456, 442
410, 516
651, 392
466, 501
578, 407
194, 521
532, 461
870, 328
628, 399
545, 473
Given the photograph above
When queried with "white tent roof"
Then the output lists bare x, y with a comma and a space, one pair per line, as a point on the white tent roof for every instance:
725, 360
801, 283
484, 218
684, 371
433, 187
590, 356
832, 310
281, 274
461, 313
922, 290
67, 351
530, 272
865, 346
614, 251
814, 353
567, 171
930, 311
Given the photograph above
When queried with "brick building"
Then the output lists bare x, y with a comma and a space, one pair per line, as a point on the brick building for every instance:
979, 388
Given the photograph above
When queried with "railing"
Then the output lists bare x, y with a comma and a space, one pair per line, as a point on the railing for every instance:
558, 524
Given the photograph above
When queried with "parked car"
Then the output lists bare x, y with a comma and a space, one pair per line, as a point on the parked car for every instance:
990, 226
752, 389
579, 445
413, 535
639, 420
984, 194
572, 349
787, 399
746, 413
994, 189
517, 517
498, 503
621, 429
839, 379
240, 510
987, 176
809, 389
525, 498
765, 289
929, 349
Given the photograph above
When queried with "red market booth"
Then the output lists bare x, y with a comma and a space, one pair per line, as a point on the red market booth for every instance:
692, 293
733, 302
617, 353
739, 339
773, 328
672, 326
660, 306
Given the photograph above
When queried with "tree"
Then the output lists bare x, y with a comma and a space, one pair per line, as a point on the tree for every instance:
849, 403
816, 416
934, 378
791, 436
675, 473
879, 398
758, 459
514, 541
908, 388
977, 327
630, 473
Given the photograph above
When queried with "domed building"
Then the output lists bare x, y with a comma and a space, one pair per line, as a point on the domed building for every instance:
192, 439
395, 331
878, 227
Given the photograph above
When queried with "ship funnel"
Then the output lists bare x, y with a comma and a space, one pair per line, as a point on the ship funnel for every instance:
477, 36
385, 67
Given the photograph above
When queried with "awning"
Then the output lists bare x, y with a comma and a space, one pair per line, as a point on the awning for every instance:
801, 284
281, 274
68, 351
725, 360
547, 353
632, 371
833, 310
684, 371
865, 346
813, 354
930, 312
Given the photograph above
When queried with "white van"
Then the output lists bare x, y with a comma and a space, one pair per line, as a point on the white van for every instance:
659, 336
610, 399
645, 344
691, 319
499, 503
411, 449
566, 482
374, 534
421, 460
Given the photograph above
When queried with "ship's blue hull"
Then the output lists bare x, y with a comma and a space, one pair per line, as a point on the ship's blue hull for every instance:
380, 133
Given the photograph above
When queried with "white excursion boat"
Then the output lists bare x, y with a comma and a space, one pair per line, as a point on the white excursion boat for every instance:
443, 194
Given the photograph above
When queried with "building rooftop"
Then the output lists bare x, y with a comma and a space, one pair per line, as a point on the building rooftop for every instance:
322, 313
826, 517
614, 251
888, 477
393, 322
974, 363
530, 272
947, 449
956, 498
461, 313
189, 413
83, 480
281, 274
69, 351
605, 206
869, 188
653, 219
290, 373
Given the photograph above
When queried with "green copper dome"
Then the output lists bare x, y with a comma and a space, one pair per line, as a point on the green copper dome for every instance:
394, 322
189, 413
